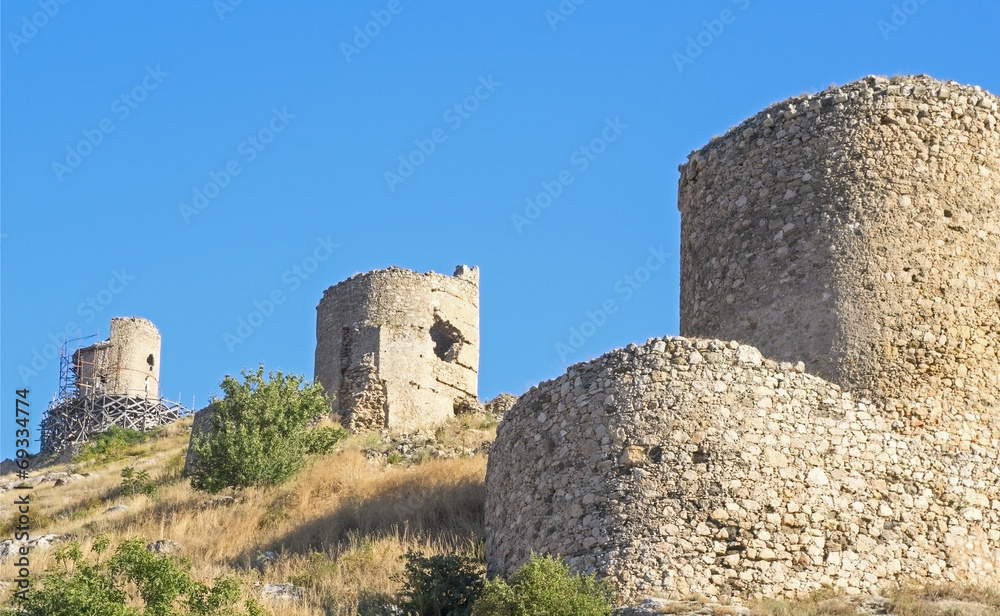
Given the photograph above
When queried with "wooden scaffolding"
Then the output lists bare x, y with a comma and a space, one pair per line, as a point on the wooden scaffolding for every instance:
80, 410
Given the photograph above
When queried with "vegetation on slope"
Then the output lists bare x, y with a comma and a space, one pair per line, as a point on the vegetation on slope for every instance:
339, 528
260, 432
374, 524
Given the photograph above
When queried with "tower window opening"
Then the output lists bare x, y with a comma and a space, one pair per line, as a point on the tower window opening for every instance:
447, 340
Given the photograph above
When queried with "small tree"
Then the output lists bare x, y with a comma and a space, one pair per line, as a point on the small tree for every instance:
259, 431
138, 483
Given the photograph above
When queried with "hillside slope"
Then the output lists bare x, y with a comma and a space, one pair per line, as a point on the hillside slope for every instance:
337, 530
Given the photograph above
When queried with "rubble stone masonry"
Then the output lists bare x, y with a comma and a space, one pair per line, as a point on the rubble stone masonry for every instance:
832, 415
858, 230
691, 466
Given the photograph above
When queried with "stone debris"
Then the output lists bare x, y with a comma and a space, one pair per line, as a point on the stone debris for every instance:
264, 560
501, 404
58, 478
279, 592
165, 546
72, 477
415, 447
219, 501
651, 606
10, 547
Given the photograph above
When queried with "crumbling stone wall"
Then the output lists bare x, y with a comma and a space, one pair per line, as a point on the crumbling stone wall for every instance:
858, 230
692, 466
399, 349
127, 363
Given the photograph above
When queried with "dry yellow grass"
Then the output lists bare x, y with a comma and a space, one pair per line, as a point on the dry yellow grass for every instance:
340, 527
946, 599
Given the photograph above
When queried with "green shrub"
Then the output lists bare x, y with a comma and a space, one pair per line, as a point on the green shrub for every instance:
440, 585
132, 582
545, 585
112, 444
138, 483
323, 440
259, 433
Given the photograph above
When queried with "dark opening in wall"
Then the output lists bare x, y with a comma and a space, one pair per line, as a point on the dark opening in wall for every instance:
150, 361
447, 339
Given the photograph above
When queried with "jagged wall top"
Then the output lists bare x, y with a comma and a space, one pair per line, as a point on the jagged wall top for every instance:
916, 87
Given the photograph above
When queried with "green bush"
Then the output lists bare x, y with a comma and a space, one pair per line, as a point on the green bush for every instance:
440, 585
323, 440
132, 582
545, 585
259, 433
112, 444
138, 483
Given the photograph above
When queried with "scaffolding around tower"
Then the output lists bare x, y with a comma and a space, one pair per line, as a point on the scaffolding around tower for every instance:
113, 382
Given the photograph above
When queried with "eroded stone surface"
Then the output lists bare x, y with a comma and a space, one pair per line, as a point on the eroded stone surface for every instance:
399, 349
858, 230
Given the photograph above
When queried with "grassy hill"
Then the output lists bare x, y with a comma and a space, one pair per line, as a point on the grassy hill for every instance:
338, 530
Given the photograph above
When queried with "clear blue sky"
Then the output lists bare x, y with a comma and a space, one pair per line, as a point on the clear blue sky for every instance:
114, 113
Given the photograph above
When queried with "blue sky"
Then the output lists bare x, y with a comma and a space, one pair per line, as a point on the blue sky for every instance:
181, 161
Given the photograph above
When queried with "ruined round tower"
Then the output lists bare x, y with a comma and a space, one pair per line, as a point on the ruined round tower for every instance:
399, 349
126, 364
114, 382
858, 230
853, 238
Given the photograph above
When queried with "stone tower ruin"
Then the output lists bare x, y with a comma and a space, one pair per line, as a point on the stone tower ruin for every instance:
857, 230
832, 416
399, 349
127, 363
114, 382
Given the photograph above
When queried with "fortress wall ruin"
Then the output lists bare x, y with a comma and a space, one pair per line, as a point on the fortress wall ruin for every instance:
852, 237
858, 230
684, 467
399, 349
